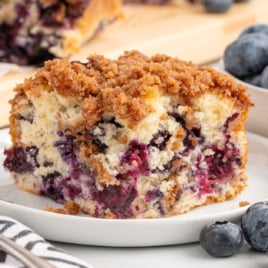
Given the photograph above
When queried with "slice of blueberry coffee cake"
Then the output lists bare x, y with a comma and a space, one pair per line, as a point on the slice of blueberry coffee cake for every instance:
32, 31
135, 137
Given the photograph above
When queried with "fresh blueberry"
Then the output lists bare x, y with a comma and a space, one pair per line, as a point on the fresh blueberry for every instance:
255, 28
253, 80
247, 55
264, 78
254, 224
217, 6
221, 239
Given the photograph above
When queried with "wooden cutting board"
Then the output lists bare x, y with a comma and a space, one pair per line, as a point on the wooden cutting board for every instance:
182, 30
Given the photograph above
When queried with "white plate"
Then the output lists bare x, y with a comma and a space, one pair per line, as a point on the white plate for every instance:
180, 229
258, 116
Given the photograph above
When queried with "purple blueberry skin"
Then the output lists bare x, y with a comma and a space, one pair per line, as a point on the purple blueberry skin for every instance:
247, 55
21, 160
96, 138
254, 224
118, 199
138, 153
50, 189
160, 139
221, 239
66, 147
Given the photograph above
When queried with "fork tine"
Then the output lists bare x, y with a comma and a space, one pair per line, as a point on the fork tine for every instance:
23, 255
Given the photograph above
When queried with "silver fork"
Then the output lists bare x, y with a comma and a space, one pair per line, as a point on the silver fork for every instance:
23, 255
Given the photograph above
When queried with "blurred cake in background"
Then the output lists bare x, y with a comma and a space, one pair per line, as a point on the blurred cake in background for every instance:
32, 31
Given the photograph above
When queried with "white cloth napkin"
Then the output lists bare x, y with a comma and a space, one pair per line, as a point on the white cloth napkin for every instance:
33, 242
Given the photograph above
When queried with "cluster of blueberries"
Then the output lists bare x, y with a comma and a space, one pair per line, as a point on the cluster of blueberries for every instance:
224, 238
247, 57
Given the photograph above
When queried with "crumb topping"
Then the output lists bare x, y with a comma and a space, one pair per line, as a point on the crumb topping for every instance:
70, 208
244, 203
125, 85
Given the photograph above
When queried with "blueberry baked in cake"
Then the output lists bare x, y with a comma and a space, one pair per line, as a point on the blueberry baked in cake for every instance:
32, 31
134, 137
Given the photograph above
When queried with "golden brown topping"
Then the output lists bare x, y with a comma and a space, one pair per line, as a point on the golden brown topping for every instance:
123, 139
176, 145
180, 133
91, 110
243, 203
70, 207
164, 116
125, 86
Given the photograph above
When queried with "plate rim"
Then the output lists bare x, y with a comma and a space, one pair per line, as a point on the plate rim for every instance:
38, 214
185, 217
